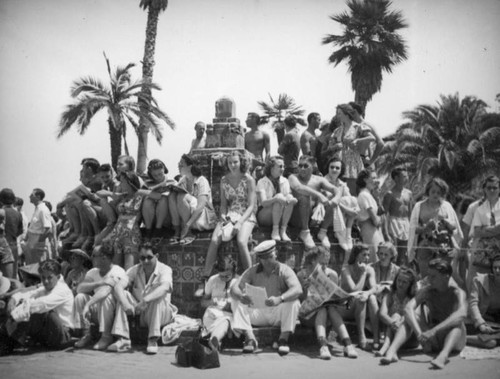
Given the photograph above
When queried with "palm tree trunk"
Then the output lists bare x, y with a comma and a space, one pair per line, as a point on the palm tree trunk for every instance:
147, 77
115, 139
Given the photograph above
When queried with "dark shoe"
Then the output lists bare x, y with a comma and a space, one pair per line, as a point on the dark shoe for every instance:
250, 346
283, 348
215, 343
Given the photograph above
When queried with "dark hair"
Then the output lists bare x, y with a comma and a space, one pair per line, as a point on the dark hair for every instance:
254, 115
440, 265
309, 158
106, 249
155, 164
440, 183
290, 121
105, 167
311, 116
148, 246
412, 288
18, 202
347, 109
39, 193
491, 179
396, 172
129, 161
91, 163
494, 259
342, 166
362, 178
356, 250
358, 108
132, 179
227, 263
270, 162
48, 204
193, 162
311, 257
50, 265
7, 196
243, 161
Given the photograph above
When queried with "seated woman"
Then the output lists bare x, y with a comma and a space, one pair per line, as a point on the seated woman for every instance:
155, 210
42, 314
368, 220
275, 199
392, 313
218, 315
434, 227
238, 206
484, 306
126, 235
385, 270
358, 276
79, 264
192, 209
347, 210
318, 258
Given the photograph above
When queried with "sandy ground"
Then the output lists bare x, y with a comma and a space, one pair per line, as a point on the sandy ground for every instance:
304, 364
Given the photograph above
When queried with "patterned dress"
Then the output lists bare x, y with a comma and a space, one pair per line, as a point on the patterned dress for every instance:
237, 199
126, 235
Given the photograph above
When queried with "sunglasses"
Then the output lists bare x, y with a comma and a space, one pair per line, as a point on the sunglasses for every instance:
97, 255
146, 257
491, 188
304, 165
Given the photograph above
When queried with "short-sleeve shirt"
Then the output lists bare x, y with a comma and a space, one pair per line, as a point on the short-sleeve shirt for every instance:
281, 279
217, 288
266, 185
365, 202
116, 273
469, 214
483, 215
162, 274
199, 187
41, 219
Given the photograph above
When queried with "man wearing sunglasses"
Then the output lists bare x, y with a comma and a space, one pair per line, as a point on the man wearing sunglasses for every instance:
310, 191
148, 295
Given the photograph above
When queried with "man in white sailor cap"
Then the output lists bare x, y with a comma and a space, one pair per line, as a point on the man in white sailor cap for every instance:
281, 306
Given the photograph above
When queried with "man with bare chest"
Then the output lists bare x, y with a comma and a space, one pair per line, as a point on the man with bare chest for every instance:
443, 330
398, 203
257, 140
307, 189
308, 139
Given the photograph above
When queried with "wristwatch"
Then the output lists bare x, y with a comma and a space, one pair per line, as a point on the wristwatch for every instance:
282, 299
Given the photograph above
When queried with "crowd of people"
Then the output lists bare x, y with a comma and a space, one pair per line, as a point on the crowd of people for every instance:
417, 266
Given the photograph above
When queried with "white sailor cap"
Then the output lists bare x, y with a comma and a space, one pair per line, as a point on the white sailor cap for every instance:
263, 249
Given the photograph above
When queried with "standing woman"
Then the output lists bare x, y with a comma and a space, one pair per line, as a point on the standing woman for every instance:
193, 209
126, 235
369, 222
434, 226
237, 206
275, 199
486, 226
348, 141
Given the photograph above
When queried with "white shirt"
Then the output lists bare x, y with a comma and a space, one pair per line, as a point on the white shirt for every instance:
266, 186
365, 202
482, 215
116, 273
162, 274
41, 219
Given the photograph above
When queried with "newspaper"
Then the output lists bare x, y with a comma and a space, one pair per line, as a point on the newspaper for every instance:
257, 294
321, 291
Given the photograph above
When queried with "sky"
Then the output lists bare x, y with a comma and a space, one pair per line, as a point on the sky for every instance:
244, 49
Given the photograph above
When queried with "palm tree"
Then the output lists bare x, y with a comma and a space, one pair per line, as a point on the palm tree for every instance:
285, 106
124, 102
456, 140
154, 8
369, 44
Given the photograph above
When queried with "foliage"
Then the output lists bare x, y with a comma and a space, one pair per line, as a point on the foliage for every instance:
122, 99
279, 110
455, 139
369, 44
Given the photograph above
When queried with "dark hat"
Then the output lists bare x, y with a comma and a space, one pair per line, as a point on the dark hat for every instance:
81, 253
265, 248
7, 196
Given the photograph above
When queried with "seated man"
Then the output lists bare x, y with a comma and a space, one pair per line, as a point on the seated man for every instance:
443, 329
96, 301
282, 306
43, 314
150, 283
309, 190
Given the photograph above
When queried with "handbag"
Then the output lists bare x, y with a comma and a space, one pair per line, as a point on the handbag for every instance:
204, 353
184, 354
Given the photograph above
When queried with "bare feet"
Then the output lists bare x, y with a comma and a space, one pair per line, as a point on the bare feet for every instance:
439, 363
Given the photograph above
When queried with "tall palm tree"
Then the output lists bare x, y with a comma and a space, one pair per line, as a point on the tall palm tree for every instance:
456, 140
369, 44
154, 7
279, 110
123, 101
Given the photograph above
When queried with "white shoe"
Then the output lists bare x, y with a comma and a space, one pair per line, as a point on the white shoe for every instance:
152, 346
305, 236
350, 352
284, 236
275, 235
120, 345
323, 238
324, 352
343, 240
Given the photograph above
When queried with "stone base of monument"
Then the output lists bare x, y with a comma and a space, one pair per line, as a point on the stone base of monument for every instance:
187, 262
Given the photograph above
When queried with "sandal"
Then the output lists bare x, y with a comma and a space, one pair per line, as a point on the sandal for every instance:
187, 240
174, 240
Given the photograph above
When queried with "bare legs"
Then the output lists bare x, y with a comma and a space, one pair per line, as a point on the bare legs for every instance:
278, 215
